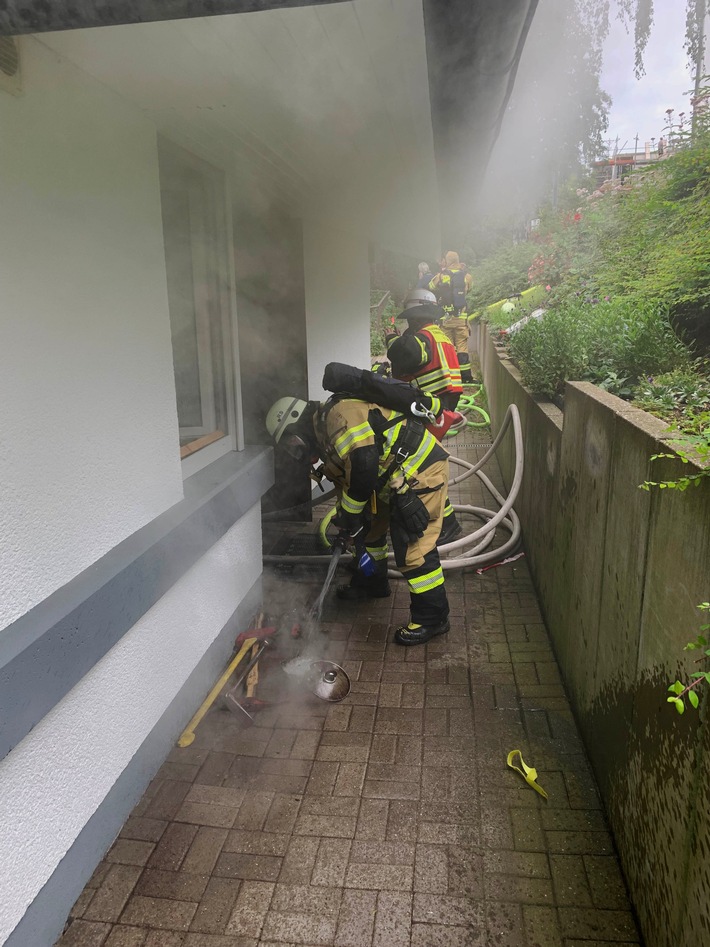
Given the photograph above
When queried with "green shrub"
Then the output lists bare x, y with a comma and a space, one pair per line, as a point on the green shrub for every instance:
550, 351
613, 343
686, 390
633, 339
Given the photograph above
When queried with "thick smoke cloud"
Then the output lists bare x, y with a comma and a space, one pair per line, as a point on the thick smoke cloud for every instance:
556, 111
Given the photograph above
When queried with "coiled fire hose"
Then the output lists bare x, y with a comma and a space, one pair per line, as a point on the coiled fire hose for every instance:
466, 405
471, 550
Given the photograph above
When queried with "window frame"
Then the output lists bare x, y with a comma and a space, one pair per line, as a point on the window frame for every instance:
212, 252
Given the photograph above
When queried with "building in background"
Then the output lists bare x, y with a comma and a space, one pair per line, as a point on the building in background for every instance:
619, 163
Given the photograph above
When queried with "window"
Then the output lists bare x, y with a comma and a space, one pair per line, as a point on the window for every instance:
195, 233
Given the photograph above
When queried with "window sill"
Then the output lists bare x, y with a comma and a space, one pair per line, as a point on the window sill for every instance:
206, 455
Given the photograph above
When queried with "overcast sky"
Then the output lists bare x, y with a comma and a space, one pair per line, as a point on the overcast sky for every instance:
638, 106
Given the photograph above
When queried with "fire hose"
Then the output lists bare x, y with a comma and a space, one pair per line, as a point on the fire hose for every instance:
471, 550
466, 405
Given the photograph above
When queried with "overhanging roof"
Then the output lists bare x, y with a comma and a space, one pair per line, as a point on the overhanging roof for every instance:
31, 16
472, 47
473, 52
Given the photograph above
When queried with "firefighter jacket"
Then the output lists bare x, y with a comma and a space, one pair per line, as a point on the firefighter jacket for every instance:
350, 432
428, 358
453, 282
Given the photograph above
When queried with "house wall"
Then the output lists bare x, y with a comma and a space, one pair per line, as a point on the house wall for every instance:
62, 773
337, 275
619, 574
92, 493
88, 397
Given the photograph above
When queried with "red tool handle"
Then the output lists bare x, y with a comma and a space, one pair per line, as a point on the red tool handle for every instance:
258, 633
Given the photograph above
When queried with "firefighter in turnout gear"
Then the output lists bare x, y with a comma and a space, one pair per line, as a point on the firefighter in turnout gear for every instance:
390, 473
450, 287
425, 355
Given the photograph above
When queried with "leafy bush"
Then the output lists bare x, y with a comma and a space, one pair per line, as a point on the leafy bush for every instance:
550, 351
629, 270
679, 690
613, 343
683, 390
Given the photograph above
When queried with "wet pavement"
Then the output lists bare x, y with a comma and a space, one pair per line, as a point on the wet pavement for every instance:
388, 819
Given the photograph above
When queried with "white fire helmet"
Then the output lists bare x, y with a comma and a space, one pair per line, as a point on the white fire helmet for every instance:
282, 414
415, 300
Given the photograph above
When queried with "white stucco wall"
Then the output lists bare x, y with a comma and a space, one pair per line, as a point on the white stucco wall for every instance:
337, 281
54, 780
87, 395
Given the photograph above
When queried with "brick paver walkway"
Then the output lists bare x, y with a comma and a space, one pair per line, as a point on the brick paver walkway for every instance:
390, 819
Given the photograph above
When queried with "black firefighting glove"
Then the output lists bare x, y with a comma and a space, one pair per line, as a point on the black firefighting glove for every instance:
408, 511
356, 525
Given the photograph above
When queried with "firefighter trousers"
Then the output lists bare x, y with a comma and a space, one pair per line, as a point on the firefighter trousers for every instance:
456, 327
418, 560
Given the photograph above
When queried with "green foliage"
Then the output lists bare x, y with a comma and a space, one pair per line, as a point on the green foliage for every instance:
613, 343
685, 390
680, 691
378, 322
500, 316
550, 351
502, 275
691, 444
629, 269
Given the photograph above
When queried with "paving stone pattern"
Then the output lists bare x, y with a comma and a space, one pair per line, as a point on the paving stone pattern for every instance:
387, 820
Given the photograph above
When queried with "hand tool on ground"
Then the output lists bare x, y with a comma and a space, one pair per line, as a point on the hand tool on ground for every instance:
323, 678
188, 734
244, 642
232, 698
338, 549
248, 702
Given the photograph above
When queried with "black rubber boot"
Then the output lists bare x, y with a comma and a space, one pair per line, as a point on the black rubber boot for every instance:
419, 634
450, 529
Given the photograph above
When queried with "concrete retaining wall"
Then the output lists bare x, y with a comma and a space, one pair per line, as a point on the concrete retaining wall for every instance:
619, 572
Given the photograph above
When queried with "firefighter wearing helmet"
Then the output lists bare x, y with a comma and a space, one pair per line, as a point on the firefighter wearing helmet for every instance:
450, 286
425, 356
377, 457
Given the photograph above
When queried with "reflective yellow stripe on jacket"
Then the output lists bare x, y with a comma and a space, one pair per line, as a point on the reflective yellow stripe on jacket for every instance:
351, 438
445, 375
349, 505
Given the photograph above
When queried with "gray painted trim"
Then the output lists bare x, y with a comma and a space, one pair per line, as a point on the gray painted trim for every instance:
47, 651
43, 922
31, 16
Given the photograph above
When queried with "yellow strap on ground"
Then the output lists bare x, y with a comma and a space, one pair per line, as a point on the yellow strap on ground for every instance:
528, 773
253, 676
188, 734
